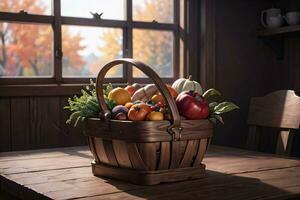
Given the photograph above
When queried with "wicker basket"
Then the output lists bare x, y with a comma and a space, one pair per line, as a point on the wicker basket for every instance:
146, 152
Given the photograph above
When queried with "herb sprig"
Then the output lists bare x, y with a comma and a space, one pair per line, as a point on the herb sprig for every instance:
86, 106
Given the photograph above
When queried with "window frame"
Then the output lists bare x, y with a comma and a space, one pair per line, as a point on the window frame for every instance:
127, 25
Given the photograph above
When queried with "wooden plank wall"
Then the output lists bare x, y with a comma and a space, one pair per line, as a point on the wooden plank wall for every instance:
244, 66
36, 122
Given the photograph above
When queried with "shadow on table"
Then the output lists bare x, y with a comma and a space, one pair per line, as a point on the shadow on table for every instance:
214, 185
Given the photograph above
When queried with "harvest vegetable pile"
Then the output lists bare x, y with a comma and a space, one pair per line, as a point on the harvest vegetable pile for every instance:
138, 103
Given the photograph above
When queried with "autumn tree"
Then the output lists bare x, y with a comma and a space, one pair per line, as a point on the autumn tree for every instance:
152, 47
111, 49
26, 49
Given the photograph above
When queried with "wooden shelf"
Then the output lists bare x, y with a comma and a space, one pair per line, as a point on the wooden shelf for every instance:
274, 38
282, 31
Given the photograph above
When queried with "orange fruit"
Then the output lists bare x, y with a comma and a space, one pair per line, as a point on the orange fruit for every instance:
120, 96
128, 105
155, 116
158, 98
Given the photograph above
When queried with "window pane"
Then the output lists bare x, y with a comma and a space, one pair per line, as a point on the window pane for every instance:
112, 9
40, 7
25, 50
154, 48
86, 49
149, 10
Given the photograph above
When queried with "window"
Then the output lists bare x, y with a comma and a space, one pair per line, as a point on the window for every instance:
157, 52
67, 41
84, 58
26, 50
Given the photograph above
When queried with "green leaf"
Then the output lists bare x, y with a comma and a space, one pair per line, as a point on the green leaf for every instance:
110, 103
224, 107
212, 105
213, 120
219, 118
211, 92
107, 89
84, 106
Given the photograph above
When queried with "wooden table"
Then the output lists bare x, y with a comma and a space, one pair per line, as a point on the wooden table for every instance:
65, 173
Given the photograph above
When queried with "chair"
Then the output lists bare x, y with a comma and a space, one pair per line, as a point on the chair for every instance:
279, 109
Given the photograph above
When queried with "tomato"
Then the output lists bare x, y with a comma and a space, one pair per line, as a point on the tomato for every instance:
138, 112
155, 116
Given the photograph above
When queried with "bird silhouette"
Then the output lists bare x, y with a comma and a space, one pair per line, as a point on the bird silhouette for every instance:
97, 15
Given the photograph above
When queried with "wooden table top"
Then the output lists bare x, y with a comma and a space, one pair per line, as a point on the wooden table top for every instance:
65, 173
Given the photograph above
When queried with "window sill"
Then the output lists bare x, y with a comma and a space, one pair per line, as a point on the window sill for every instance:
40, 90
65, 89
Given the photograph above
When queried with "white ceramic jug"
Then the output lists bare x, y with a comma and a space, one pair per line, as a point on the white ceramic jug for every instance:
271, 18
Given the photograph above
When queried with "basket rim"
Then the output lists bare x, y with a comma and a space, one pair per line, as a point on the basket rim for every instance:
145, 121
145, 131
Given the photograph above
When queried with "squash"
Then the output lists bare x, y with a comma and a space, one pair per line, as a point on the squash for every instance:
183, 84
147, 92
119, 95
144, 93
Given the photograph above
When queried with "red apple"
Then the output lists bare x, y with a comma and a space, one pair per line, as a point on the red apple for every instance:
192, 105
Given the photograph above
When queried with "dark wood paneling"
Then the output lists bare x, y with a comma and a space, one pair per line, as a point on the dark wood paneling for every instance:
208, 44
36, 122
292, 52
5, 124
74, 135
20, 123
244, 66
193, 39
44, 122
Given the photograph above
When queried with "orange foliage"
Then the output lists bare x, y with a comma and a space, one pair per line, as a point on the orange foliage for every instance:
112, 49
71, 47
152, 47
28, 47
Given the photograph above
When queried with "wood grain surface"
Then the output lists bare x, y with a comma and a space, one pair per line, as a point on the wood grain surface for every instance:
231, 174
277, 109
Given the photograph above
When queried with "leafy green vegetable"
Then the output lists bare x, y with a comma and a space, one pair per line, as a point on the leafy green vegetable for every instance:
216, 109
211, 92
86, 106
225, 107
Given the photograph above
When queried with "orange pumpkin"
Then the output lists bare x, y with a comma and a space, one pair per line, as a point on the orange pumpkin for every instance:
120, 96
138, 112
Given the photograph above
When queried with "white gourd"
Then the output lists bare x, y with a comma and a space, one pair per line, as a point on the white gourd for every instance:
183, 84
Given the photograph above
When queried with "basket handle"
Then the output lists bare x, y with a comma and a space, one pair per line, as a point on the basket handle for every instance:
175, 127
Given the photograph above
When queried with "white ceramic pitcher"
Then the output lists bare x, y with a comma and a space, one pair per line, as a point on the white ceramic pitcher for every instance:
271, 18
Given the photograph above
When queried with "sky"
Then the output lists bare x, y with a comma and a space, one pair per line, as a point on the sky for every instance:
112, 9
